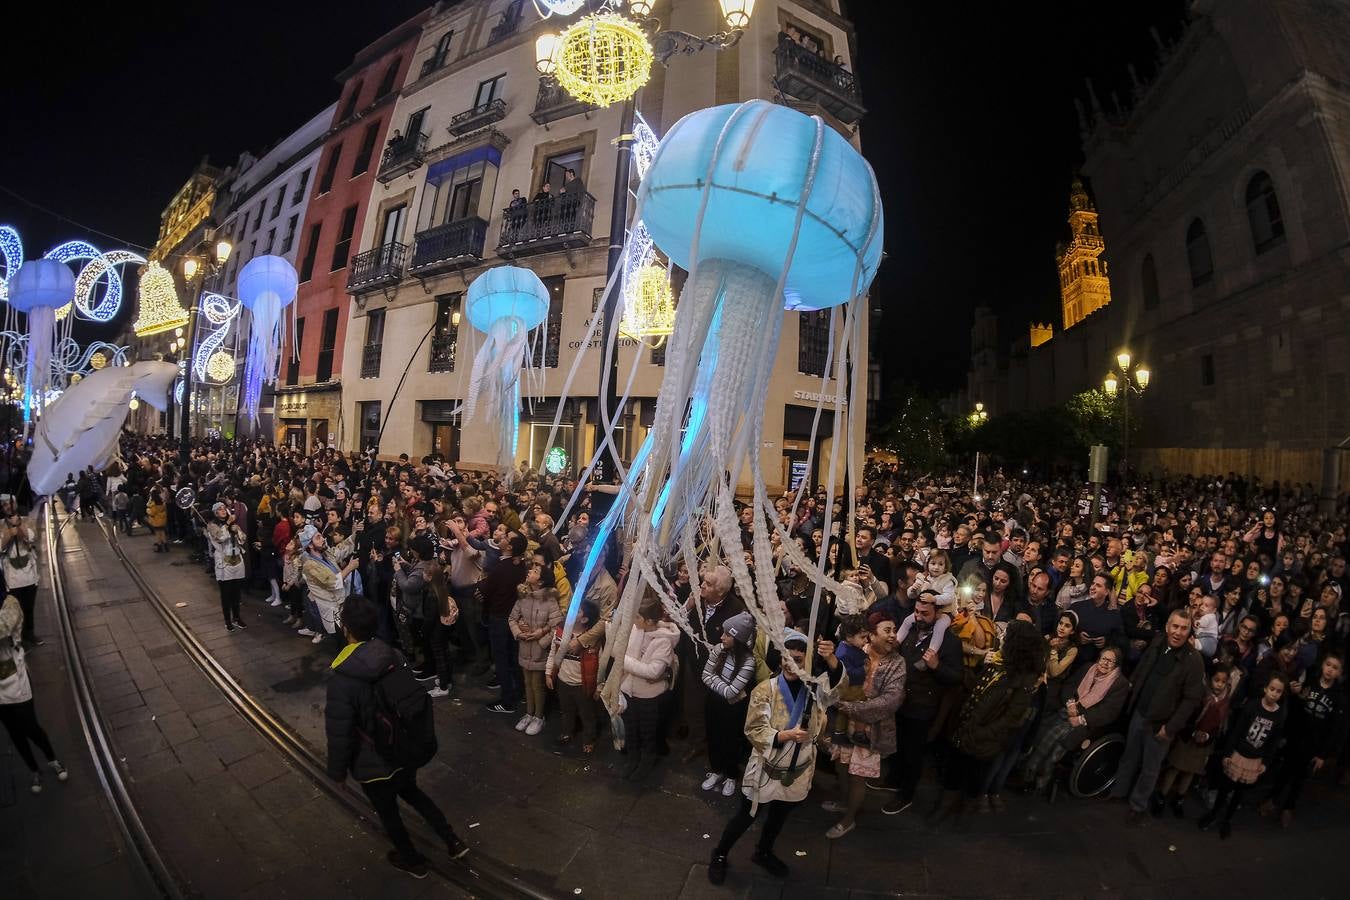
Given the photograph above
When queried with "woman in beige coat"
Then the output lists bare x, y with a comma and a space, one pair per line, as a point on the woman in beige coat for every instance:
786, 717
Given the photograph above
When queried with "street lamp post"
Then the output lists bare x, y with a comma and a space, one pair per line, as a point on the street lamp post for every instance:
665, 44
977, 418
191, 267
1134, 379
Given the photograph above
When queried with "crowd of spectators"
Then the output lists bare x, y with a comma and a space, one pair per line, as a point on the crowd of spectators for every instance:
989, 632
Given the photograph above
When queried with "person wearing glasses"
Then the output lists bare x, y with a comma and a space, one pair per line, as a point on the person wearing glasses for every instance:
1095, 703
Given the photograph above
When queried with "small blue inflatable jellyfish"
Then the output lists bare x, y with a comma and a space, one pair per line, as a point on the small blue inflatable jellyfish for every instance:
504, 303
766, 208
267, 285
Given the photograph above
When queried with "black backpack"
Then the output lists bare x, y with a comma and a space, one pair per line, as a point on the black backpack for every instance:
404, 731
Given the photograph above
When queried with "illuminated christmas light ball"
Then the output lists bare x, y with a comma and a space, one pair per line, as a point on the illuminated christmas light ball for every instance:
603, 59
98, 360
220, 367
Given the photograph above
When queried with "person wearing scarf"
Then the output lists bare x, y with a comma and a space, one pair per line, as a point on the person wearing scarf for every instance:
227, 552
325, 579
785, 718
1096, 702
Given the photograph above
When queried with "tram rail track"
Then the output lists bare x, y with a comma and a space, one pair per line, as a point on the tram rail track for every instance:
151, 865
474, 875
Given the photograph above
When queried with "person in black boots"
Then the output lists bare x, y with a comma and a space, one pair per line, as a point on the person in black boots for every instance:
1251, 741
929, 674
349, 721
647, 670
785, 719
1317, 724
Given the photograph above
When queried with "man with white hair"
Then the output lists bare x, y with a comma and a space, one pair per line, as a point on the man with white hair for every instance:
720, 603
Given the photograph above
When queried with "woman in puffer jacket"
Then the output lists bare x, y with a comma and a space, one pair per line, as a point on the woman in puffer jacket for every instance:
532, 621
648, 671
729, 676
992, 713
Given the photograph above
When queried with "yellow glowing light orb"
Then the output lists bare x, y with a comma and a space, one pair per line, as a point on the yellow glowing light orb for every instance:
135, 404
649, 307
158, 302
220, 367
604, 58
98, 360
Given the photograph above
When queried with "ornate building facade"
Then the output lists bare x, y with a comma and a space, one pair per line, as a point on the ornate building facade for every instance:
1225, 193
477, 123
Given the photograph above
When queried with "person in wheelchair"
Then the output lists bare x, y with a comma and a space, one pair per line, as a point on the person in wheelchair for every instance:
1095, 704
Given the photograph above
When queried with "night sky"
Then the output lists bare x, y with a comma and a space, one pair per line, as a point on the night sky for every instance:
970, 127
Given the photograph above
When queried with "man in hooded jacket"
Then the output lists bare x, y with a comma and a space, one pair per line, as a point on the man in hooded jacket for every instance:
349, 721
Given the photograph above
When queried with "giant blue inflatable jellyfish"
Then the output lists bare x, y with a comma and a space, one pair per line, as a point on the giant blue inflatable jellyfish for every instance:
267, 285
39, 289
504, 303
766, 208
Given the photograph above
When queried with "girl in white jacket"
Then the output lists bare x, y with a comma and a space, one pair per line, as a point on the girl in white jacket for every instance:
16, 698
647, 674
936, 577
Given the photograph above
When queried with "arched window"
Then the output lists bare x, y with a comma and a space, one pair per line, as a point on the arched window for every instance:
1198, 255
387, 83
1263, 213
1148, 277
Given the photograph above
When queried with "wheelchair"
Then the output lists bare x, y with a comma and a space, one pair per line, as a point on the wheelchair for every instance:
1093, 771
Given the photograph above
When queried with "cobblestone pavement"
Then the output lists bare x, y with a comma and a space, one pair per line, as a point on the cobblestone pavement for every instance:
230, 816
574, 826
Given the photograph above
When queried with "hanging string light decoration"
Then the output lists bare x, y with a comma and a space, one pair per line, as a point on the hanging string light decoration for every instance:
603, 58
547, 8
649, 304
159, 308
100, 267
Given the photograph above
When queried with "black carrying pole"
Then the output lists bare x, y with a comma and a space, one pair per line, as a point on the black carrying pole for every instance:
607, 393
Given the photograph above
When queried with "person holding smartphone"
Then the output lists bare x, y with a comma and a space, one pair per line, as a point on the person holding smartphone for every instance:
18, 557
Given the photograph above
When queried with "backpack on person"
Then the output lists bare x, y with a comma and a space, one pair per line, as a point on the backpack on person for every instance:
404, 728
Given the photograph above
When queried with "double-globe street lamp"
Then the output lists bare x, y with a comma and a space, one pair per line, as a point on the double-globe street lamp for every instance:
622, 71
1134, 379
207, 268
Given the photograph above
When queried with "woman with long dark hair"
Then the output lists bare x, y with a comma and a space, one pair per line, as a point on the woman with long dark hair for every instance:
991, 715
728, 675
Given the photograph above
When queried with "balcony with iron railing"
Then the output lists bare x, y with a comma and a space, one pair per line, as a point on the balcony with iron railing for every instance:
370, 360
403, 155
508, 25
443, 347
558, 223
553, 103
480, 116
454, 245
433, 63
376, 268
806, 76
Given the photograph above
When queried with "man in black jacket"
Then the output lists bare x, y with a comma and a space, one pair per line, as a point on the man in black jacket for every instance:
931, 673
349, 720
1168, 686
